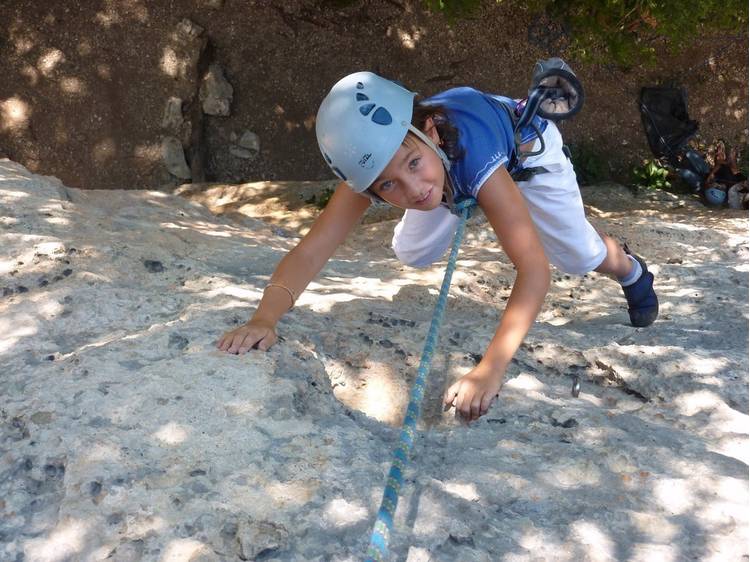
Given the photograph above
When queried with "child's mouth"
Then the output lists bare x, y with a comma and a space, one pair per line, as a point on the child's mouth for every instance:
425, 198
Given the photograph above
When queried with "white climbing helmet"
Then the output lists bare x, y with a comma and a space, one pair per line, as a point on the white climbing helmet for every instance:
361, 124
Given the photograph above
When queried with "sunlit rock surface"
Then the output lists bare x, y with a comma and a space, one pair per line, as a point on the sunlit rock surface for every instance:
124, 435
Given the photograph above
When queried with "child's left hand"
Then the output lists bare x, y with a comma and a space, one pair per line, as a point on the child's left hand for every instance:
473, 394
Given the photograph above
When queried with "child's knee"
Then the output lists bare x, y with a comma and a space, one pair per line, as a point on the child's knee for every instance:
581, 262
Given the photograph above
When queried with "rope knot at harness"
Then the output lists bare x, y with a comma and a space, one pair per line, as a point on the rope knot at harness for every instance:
383, 528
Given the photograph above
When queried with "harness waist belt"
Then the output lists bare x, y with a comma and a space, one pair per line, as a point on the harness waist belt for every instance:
525, 174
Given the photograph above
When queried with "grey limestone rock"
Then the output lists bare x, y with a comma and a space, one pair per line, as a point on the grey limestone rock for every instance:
189, 29
260, 538
127, 436
216, 92
240, 152
250, 141
174, 158
172, 119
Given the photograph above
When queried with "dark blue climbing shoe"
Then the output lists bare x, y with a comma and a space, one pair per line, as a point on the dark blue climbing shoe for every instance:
643, 306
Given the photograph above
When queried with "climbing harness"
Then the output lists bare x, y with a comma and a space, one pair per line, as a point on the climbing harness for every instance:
378, 549
556, 94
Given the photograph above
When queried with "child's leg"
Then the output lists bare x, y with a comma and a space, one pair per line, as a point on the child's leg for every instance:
616, 263
555, 205
422, 237
571, 243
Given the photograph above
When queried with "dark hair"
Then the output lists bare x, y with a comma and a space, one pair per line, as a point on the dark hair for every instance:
448, 138
447, 131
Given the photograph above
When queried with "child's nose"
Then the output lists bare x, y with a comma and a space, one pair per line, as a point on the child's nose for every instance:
414, 190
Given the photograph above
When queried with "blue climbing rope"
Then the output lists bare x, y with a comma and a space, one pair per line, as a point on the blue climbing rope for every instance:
378, 549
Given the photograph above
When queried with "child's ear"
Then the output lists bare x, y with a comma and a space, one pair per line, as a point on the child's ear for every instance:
431, 130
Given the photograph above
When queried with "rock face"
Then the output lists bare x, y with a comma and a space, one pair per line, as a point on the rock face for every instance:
125, 435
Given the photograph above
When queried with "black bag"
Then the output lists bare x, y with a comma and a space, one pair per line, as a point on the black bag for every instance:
665, 120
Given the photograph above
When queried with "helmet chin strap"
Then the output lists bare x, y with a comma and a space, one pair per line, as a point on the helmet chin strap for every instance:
424, 138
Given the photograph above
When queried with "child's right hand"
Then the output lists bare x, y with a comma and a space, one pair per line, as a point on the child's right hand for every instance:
253, 334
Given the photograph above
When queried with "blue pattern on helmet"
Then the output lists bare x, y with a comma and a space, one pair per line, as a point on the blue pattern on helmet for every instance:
338, 173
382, 116
362, 97
367, 108
360, 86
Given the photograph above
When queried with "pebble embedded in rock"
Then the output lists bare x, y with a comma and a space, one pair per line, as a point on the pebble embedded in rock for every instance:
260, 537
41, 418
95, 488
154, 266
561, 418
131, 551
114, 518
475, 357
177, 341
199, 487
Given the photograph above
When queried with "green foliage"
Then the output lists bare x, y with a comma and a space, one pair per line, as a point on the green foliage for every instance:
620, 31
320, 200
742, 160
453, 9
628, 29
589, 163
651, 175
625, 30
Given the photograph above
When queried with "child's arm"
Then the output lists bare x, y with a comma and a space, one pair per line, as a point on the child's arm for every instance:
297, 269
506, 210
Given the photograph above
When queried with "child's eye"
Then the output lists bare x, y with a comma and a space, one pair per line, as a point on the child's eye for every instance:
386, 185
414, 163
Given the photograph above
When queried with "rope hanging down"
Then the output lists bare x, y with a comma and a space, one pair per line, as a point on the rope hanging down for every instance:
378, 549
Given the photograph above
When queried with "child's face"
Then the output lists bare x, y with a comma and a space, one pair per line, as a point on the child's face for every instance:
414, 177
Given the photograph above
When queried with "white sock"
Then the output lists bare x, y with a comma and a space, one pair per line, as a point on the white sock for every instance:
635, 273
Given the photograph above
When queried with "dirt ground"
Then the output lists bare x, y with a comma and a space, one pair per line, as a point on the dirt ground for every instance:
85, 84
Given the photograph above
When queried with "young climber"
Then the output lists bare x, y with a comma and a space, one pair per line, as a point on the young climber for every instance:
423, 156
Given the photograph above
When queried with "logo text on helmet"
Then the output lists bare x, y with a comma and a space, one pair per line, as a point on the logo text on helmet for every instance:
365, 161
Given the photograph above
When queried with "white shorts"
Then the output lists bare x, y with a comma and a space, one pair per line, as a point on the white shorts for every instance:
554, 203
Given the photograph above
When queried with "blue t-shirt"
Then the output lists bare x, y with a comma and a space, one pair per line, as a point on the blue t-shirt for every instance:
485, 134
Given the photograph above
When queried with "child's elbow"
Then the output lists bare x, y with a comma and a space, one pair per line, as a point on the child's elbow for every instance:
548, 279
543, 275
537, 272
